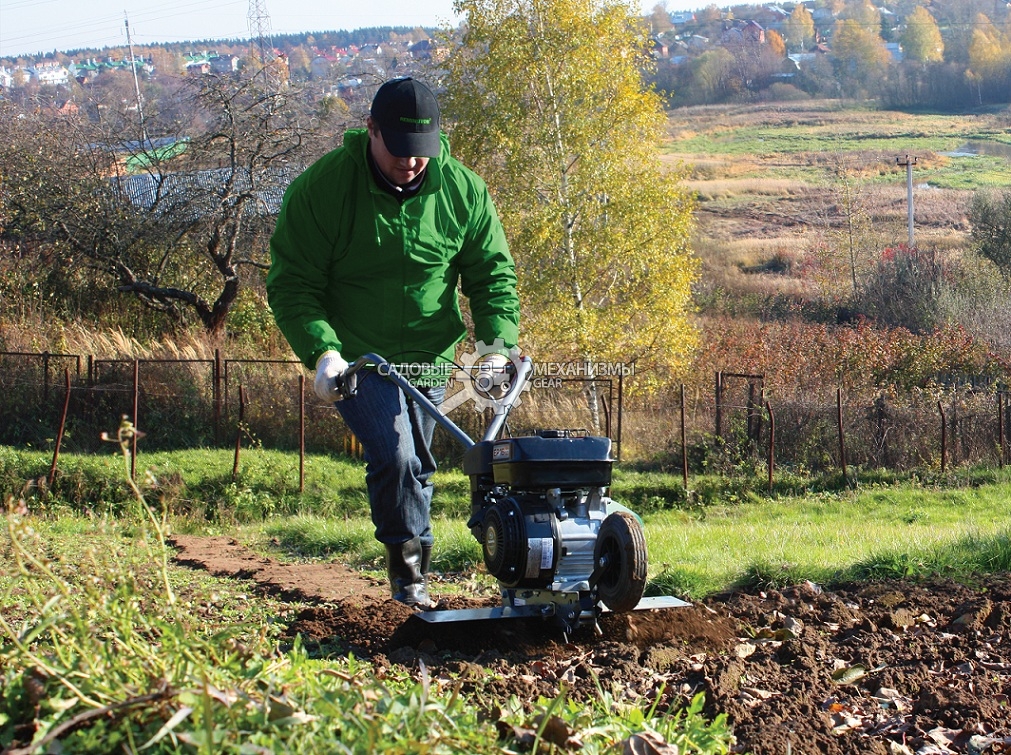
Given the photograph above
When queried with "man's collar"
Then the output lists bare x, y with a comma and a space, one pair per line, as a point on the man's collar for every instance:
400, 192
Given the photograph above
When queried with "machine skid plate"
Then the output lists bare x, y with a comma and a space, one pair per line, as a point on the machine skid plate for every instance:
541, 610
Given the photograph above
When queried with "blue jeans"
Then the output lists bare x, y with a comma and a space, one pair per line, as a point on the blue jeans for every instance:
396, 434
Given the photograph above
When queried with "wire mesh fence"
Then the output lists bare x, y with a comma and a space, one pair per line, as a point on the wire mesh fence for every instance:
50, 401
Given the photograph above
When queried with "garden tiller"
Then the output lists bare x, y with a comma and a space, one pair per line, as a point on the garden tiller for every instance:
559, 547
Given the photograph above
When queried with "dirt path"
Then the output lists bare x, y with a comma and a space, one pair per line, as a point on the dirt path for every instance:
887, 667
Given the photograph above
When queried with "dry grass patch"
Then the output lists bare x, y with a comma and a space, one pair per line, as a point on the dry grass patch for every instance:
726, 188
702, 167
756, 256
735, 282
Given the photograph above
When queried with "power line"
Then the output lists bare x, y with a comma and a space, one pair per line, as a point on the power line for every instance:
96, 24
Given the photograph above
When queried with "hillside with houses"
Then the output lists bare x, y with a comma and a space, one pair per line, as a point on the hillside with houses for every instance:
338, 62
953, 54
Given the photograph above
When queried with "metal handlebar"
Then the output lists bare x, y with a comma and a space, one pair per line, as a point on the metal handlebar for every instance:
501, 409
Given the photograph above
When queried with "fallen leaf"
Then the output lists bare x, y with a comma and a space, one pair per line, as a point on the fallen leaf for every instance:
849, 675
752, 696
792, 625
774, 635
844, 722
943, 736
555, 731
886, 696
225, 697
979, 744
897, 748
648, 743
744, 649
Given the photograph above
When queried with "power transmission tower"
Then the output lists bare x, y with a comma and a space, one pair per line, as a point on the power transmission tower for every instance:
258, 21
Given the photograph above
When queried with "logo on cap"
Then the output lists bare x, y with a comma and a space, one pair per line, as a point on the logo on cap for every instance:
407, 114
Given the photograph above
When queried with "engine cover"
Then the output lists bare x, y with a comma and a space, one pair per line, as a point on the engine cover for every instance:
527, 543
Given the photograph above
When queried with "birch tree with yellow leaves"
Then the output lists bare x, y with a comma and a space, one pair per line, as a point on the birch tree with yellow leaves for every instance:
547, 103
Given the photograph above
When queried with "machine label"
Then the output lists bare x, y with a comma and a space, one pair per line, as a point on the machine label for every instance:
540, 555
533, 557
502, 451
547, 552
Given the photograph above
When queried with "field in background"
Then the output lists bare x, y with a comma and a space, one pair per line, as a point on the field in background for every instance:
776, 182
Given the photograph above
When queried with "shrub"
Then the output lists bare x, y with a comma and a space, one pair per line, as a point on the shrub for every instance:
780, 92
904, 289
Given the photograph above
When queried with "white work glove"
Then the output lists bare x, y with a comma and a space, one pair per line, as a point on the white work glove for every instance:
329, 367
492, 379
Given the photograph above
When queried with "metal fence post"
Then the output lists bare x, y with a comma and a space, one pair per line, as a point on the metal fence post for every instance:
772, 442
301, 433
606, 401
719, 404
684, 440
1000, 428
59, 433
136, 419
216, 394
621, 406
944, 438
842, 436
45, 377
238, 432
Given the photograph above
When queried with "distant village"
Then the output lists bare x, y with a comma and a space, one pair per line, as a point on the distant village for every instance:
53, 73
674, 45
776, 52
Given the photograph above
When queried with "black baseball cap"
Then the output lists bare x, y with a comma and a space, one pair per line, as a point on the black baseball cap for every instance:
407, 114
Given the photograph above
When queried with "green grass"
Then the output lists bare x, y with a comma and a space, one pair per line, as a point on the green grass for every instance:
787, 140
102, 648
795, 143
968, 172
94, 620
727, 530
830, 537
893, 532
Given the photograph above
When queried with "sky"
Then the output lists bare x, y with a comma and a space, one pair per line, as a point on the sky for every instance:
28, 27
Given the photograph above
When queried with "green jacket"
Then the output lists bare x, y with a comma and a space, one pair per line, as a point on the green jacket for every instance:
353, 269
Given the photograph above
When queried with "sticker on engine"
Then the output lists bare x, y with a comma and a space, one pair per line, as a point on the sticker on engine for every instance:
547, 552
540, 555
502, 452
533, 557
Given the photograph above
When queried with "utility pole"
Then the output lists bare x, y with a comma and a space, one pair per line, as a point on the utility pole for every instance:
136, 83
908, 162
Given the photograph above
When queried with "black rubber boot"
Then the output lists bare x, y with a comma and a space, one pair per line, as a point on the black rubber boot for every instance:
405, 564
426, 561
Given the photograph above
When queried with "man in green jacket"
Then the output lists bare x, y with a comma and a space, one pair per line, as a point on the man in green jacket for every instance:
370, 246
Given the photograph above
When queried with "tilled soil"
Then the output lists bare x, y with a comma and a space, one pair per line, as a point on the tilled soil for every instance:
886, 667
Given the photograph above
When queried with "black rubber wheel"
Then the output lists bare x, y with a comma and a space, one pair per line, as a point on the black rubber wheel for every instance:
504, 544
621, 548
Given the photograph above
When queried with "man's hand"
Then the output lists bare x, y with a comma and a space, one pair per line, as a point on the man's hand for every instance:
330, 369
493, 379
